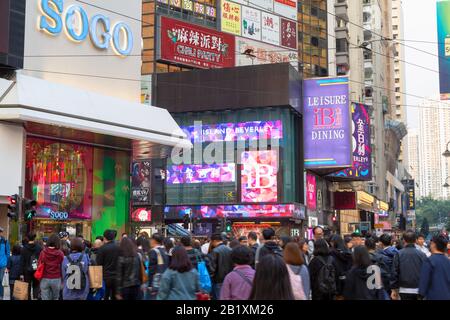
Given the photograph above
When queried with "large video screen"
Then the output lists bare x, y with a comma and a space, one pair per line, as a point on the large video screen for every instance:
259, 176
201, 173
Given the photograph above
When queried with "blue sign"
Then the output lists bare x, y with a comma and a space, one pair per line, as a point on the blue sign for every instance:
56, 215
119, 36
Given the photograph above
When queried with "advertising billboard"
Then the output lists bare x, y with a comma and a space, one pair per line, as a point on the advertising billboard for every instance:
443, 26
259, 176
230, 17
286, 8
191, 45
362, 151
141, 215
327, 123
263, 54
252, 130
289, 33
410, 194
251, 23
201, 173
311, 195
141, 181
270, 30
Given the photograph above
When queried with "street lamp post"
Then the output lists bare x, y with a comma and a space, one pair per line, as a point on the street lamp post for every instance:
447, 152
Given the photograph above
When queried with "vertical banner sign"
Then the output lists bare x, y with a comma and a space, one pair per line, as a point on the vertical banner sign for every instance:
327, 128
270, 29
311, 192
289, 33
443, 26
191, 45
259, 176
410, 194
231, 17
141, 180
362, 152
286, 8
251, 23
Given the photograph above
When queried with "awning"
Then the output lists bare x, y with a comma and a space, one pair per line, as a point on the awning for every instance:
30, 99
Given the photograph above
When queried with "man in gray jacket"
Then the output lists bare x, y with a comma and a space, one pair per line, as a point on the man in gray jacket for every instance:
407, 266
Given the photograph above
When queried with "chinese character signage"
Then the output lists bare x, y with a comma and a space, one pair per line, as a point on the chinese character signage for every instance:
410, 194
289, 33
251, 23
253, 130
263, 53
327, 124
201, 173
286, 8
362, 152
195, 46
270, 31
141, 180
259, 176
262, 4
188, 5
231, 17
443, 26
311, 192
175, 3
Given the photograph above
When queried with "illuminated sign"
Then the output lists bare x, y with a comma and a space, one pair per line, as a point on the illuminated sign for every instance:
311, 197
141, 215
410, 194
77, 26
259, 176
213, 173
231, 17
56, 215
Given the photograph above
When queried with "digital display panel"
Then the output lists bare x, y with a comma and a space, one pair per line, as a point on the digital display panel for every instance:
201, 173
259, 176
141, 215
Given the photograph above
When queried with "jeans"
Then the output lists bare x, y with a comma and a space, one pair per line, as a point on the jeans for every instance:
216, 290
50, 289
32, 283
2, 273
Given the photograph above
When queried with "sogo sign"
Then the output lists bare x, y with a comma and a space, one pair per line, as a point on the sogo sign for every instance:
77, 26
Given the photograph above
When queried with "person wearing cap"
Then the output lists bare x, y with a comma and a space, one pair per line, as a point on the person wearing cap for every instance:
4, 255
221, 263
435, 274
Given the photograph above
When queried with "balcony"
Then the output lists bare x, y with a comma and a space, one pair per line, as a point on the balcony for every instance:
341, 8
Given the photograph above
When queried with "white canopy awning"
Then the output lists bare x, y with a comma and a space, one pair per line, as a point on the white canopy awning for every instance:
35, 100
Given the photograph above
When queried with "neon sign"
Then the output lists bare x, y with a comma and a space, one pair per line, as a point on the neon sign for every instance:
75, 22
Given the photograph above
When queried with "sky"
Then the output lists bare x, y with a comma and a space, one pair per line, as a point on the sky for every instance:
420, 24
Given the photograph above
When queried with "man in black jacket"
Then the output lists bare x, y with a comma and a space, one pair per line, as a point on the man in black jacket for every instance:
29, 257
269, 246
221, 263
107, 256
406, 269
158, 262
253, 244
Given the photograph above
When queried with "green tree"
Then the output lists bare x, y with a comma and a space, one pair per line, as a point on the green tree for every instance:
425, 228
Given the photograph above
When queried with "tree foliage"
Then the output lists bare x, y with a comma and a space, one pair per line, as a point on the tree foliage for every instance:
432, 210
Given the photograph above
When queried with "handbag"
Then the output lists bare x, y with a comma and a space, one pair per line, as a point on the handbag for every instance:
5, 280
39, 273
205, 280
96, 277
20, 290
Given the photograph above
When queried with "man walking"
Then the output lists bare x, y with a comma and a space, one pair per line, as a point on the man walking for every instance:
317, 234
221, 263
406, 270
29, 257
269, 247
158, 262
107, 256
420, 245
4, 255
253, 245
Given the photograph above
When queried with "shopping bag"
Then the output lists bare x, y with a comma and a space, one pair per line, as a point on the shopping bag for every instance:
205, 280
5, 280
20, 290
95, 277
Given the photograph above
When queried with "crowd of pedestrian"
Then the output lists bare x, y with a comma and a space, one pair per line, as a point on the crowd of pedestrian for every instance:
246, 268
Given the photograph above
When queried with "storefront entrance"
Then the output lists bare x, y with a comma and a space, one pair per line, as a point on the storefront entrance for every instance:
44, 228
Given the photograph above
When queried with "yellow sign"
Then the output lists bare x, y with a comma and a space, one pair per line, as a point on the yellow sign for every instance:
379, 226
365, 198
231, 17
383, 206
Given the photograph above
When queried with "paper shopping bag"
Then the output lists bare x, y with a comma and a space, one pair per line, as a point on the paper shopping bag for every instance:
20, 290
96, 277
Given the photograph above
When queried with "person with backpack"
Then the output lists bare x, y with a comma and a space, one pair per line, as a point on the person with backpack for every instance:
269, 247
129, 268
194, 255
322, 272
220, 264
4, 255
343, 261
387, 253
180, 281
14, 268
30, 255
107, 256
157, 264
377, 260
238, 284
51, 258
298, 272
75, 271
271, 281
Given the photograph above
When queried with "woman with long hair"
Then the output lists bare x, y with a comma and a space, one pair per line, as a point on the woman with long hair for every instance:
323, 281
303, 245
272, 280
298, 272
129, 277
180, 281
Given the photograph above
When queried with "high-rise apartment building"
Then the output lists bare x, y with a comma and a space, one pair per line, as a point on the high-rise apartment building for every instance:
413, 156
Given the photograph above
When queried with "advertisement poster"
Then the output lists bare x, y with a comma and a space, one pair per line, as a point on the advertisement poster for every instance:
327, 123
141, 180
270, 31
198, 173
252, 130
141, 215
261, 4
251, 23
264, 53
410, 194
289, 33
362, 152
443, 26
286, 8
231, 17
259, 176
195, 46
311, 196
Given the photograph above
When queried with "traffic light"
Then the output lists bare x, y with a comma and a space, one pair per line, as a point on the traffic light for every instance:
186, 221
29, 209
334, 218
228, 225
220, 225
13, 207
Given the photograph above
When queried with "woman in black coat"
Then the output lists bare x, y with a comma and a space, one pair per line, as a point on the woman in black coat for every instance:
343, 261
321, 258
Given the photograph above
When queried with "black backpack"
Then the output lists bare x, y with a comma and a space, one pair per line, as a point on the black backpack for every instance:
33, 264
75, 277
326, 277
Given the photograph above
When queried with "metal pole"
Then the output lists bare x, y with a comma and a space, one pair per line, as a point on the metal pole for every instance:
20, 214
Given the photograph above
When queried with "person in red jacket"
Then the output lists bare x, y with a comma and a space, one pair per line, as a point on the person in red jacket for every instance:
52, 258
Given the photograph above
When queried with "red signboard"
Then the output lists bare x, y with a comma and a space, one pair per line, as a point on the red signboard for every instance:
195, 46
289, 33
345, 200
